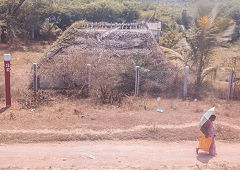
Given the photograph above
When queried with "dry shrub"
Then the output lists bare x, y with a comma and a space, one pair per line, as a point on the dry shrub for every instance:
112, 78
112, 54
127, 81
33, 100
106, 80
115, 78
210, 87
71, 76
215, 88
65, 72
18, 86
190, 88
165, 83
236, 90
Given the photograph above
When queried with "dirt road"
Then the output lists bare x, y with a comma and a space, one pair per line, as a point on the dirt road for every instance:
117, 154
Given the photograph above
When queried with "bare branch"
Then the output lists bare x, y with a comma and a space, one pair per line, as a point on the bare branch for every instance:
18, 6
10, 7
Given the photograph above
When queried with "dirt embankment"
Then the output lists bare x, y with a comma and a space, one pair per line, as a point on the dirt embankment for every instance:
188, 132
73, 120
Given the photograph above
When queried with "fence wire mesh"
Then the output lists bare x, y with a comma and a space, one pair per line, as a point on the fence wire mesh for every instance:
156, 83
236, 85
110, 82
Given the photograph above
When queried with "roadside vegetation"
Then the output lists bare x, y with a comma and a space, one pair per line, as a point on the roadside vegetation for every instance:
203, 27
203, 37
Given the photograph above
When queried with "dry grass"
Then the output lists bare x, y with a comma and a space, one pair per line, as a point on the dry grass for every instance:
22, 60
60, 112
236, 90
62, 109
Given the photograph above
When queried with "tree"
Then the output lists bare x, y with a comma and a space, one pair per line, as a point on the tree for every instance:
24, 19
10, 16
202, 38
33, 15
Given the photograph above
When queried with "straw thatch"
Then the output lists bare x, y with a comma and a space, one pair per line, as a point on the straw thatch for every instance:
102, 42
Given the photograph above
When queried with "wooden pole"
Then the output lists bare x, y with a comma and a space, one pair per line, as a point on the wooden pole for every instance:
137, 81
7, 58
185, 82
89, 79
230, 82
35, 84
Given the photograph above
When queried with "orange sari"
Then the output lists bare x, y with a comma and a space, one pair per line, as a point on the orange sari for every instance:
208, 144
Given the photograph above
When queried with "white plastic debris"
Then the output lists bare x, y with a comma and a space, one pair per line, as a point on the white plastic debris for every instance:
91, 157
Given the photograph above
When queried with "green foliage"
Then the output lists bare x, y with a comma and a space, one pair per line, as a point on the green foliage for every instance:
232, 10
222, 24
32, 14
202, 38
166, 13
96, 11
171, 36
28, 18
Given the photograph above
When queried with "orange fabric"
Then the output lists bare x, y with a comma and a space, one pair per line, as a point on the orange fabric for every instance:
204, 143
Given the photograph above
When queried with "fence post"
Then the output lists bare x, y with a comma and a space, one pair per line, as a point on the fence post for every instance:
230, 82
185, 82
137, 81
89, 78
33, 34
35, 83
7, 58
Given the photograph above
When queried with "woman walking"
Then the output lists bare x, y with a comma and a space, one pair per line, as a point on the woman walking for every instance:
207, 142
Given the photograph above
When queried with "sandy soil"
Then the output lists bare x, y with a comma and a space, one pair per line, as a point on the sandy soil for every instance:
66, 113
118, 154
66, 118
132, 136
190, 131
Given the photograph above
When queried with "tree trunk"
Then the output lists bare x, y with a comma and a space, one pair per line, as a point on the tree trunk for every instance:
198, 83
33, 32
10, 34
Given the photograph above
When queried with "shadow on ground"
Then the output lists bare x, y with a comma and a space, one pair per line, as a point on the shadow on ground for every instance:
3, 109
204, 157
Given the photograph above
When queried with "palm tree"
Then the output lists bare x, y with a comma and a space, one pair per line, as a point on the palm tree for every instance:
204, 35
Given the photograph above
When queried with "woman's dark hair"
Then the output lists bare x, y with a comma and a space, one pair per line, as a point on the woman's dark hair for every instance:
212, 117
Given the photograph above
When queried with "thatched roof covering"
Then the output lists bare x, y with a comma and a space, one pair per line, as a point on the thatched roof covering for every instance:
109, 42
105, 42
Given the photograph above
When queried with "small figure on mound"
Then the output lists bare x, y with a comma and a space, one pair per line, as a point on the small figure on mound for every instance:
207, 142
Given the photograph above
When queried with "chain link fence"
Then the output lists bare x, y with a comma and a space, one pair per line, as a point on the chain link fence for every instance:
236, 85
111, 82
158, 83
